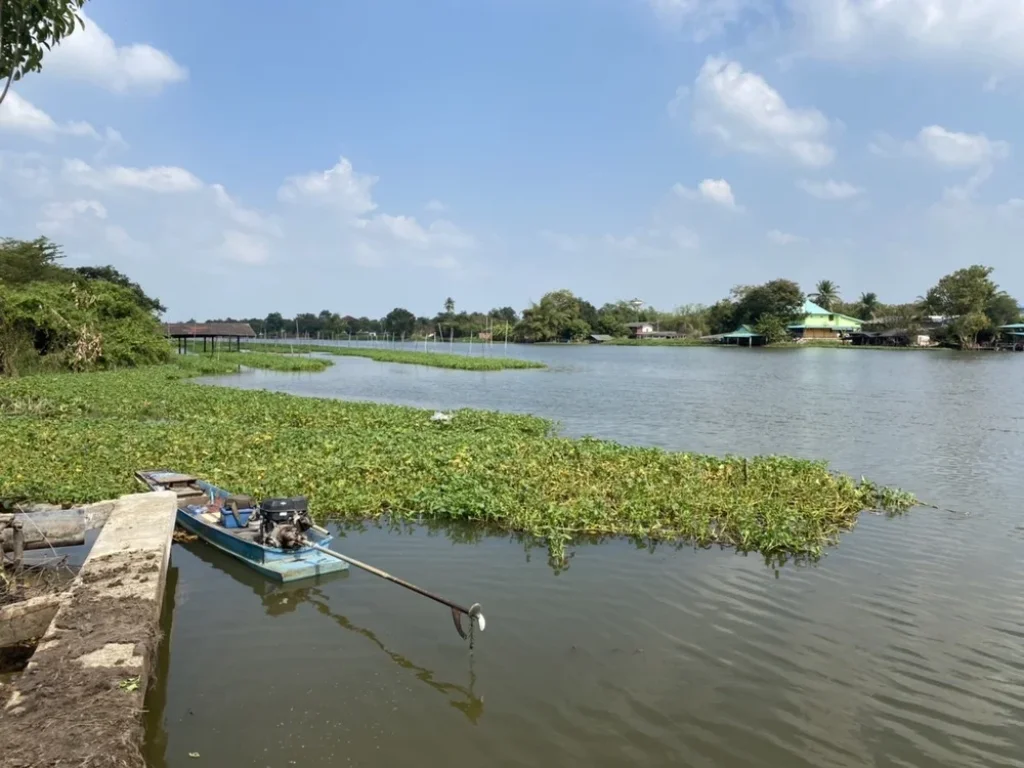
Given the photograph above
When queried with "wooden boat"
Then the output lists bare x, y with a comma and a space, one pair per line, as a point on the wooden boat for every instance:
209, 512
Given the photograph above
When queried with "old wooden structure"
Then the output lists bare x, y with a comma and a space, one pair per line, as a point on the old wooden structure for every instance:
184, 332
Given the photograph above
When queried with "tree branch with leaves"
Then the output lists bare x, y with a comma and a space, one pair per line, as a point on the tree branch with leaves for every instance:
29, 29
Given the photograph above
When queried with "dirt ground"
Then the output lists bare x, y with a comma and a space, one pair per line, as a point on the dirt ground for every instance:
66, 713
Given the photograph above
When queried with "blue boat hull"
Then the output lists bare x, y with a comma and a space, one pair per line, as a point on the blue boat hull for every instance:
278, 564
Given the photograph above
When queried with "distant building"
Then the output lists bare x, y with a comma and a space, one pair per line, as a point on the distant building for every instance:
744, 336
600, 338
647, 331
484, 335
820, 323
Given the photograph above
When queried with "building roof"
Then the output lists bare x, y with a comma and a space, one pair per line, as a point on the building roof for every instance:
743, 332
810, 308
638, 325
209, 329
600, 337
1012, 327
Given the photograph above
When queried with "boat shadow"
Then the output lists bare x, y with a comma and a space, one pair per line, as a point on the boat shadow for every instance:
281, 599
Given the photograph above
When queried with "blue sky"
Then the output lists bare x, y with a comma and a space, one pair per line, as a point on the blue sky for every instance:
359, 156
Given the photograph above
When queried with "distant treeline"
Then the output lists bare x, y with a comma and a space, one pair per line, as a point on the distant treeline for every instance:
971, 304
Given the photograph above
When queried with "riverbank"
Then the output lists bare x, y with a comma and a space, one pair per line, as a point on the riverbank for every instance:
408, 357
78, 438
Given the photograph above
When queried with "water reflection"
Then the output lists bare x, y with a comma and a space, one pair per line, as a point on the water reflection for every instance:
282, 599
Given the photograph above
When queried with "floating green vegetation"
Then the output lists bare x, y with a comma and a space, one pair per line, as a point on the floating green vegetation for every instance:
201, 364
381, 355
78, 438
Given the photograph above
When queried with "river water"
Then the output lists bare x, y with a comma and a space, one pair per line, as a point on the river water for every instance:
902, 647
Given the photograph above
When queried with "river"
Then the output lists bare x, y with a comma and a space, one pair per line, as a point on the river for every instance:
902, 647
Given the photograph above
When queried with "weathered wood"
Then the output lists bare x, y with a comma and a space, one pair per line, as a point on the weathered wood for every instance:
57, 528
27, 620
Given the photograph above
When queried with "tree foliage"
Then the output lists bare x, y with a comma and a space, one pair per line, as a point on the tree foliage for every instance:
71, 319
111, 275
972, 302
559, 316
26, 261
867, 306
29, 28
400, 322
826, 295
780, 298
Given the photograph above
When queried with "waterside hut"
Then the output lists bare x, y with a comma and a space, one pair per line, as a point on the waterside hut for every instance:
183, 332
1011, 337
744, 336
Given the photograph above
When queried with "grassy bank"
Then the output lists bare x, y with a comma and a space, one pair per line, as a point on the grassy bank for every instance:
409, 357
78, 438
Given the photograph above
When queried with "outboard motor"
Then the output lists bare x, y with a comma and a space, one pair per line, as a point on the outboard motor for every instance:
283, 521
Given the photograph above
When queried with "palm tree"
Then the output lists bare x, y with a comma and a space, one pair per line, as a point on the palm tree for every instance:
868, 305
826, 294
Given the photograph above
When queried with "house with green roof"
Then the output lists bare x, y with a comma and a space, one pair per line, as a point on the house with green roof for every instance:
744, 336
820, 323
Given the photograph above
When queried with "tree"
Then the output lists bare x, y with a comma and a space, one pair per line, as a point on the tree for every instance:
110, 275
505, 315
721, 317
28, 28
400, 322
558, 316
971, 301
826, 294
274, 323
26, 261
780, 298
449, 306
867, 306
773, 328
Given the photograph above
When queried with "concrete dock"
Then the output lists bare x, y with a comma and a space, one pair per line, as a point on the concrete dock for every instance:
80, 700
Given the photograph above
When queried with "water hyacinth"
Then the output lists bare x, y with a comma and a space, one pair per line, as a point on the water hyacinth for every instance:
78, 438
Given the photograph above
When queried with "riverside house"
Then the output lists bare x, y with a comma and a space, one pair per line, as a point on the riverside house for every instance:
820, 323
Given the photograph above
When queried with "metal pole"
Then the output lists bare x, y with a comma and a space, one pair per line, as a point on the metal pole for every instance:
474, 611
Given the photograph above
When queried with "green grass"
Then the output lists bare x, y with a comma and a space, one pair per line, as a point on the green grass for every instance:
230, 362
409, 357
74, 438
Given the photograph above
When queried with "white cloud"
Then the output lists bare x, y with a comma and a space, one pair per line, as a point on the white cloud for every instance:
90, 54
18, 115
339, 187
830, 189
959, 150
239, 214
986, 32
57, 215
244, 248
156, 179
744, 113
175, 219
717, 191
704, 17
436, 206
784, 238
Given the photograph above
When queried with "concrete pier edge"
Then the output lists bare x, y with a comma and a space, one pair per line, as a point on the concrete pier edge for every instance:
80, 700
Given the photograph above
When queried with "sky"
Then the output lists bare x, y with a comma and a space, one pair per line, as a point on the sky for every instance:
360, 156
